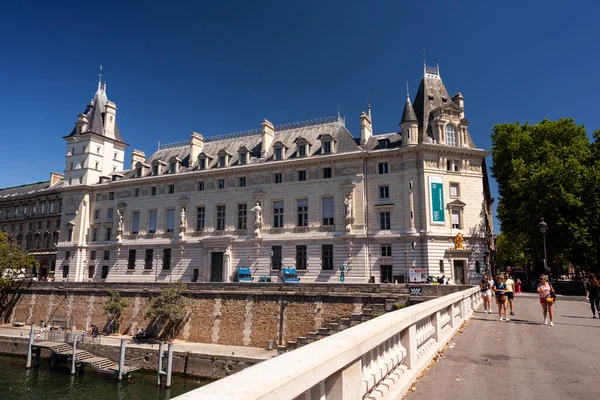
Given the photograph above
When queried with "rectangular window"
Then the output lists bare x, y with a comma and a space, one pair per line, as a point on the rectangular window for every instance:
43, 209
95, 233
278, 214
135, 223
67, 255
243, 158
98, 197
456, 219
172, 168
278, 153
221, 183
384, 192
154, 169
327, 210
25, 211
301, 257
242, 216
222, 161
51, 208
326, 147
301, 175
201, 186
220, 218
276, 257
384, 220
302, 150
96, 214
152, 221
166, 264
327, 257
136, 192
148, 258
109, 214
93, 255
153, 191
327, 173
170, 220
200, 218
131, 260
454, 190
108, 233
111, 195
91, 271
202, 163
386, 250
383, 168
171, 189
278, 177
104, 271
242, 181
106, 255
302, 212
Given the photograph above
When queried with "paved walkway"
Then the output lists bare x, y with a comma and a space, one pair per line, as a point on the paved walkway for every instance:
209, 349
522, 359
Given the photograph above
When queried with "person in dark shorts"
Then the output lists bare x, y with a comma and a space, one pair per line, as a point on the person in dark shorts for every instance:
510, 292
499, 290
592, 288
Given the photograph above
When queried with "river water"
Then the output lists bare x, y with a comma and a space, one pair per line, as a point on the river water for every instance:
18, 383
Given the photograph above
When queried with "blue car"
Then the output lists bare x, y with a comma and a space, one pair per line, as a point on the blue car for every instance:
243, 275
289, 275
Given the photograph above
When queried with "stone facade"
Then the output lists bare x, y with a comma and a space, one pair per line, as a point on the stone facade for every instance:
308, 195
30, 214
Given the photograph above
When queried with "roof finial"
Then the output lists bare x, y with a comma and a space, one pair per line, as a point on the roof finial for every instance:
407, 92
100, 77
424, 63
339, 118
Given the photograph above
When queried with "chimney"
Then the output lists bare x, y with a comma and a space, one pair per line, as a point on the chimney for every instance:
55, 178
268, 134
459, 100
196, 147
136, 157
366, 128
110, 114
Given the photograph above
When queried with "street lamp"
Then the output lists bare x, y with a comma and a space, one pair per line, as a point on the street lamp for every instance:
544, 228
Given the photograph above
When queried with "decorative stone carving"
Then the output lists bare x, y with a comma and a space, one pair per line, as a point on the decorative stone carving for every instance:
348, 218
257, 211
120, 226
459, 242
123, 194
185, 187
431, 163
182, 224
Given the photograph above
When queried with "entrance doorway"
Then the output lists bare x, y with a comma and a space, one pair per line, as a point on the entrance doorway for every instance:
386, 274
459, 271
216, 266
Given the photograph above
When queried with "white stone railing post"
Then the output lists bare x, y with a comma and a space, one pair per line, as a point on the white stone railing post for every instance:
346, 383
409, 342
451, 311
437, 325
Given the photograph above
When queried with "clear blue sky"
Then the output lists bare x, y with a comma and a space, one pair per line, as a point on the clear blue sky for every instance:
174, 68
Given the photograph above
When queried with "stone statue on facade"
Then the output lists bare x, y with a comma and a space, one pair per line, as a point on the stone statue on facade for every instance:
257, 211
459, 242
348, 214
182, 224
120, 226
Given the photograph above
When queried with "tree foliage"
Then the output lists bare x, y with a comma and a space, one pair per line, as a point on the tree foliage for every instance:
171, 305
547, 170
14, 261
113, 307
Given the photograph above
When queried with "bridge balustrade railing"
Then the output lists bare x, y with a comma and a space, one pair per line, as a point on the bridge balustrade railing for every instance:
378, 359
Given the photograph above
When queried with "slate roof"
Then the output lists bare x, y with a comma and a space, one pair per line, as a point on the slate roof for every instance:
288, 135
94, 113
384, 141
28, 189
429, 97
409, 113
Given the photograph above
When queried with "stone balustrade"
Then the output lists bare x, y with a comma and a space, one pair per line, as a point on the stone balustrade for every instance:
378, 359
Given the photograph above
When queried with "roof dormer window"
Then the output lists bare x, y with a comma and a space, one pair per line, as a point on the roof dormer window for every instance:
302, 147
154, 169
202, 163
327, 144
222, 160
243, 156
173, 167
138, 171
450, 135
278, 154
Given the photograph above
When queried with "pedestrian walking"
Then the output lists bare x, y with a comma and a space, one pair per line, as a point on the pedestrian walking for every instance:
592, 288
499, 290
518, 286
486, 293
546, 292
510, 292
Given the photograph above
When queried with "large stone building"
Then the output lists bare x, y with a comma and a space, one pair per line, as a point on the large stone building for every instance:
30, 215
309, 195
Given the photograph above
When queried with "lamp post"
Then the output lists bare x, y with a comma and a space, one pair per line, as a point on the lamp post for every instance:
543, 229
407, 248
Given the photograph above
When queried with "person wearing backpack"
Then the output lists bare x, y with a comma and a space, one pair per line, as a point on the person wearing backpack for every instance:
547, 296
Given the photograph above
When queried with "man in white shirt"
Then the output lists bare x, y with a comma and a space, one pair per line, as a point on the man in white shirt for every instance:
510, 292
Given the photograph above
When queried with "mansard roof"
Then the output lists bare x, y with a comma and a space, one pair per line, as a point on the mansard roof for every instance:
430, 95
28, 189
384, 141
94, 112
251, 140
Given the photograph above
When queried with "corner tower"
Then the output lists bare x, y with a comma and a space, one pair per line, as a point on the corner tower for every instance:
95, 147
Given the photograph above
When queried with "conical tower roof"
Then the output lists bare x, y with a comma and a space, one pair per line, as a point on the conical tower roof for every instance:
409, 113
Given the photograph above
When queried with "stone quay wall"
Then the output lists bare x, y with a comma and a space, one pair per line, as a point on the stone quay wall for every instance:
221, 313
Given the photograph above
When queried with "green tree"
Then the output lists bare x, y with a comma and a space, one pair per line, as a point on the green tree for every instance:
113, 307
169, 310
544, 170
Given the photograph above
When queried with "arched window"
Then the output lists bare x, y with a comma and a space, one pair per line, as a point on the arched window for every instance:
450, 135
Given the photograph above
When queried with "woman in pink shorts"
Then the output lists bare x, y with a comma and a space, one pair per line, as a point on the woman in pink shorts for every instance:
545, 291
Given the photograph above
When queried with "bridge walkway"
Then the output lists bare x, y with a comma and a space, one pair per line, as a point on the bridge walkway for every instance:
521, 359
